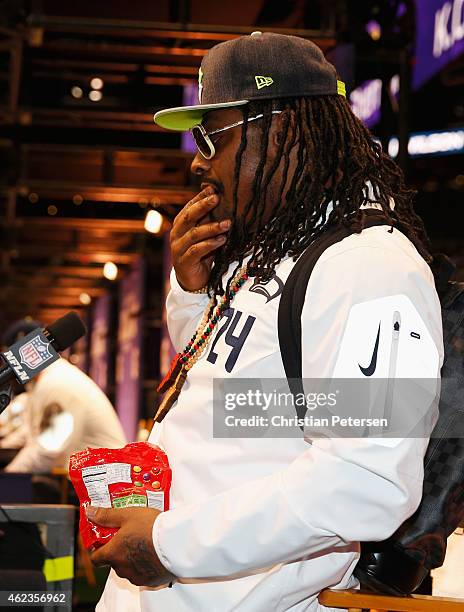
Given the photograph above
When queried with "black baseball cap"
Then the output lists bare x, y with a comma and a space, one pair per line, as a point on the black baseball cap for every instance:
256, 67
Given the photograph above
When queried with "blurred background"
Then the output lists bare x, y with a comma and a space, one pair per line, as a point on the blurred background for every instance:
89, 184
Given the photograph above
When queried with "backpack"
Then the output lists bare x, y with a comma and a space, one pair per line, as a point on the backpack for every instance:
399, 565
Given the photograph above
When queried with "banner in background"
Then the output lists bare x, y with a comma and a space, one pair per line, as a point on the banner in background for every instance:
100, 342
442, 142
366, 102
129, 352
189, 98
439, 36
80, 349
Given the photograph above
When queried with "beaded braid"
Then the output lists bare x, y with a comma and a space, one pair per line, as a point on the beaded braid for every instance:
199, 341
174, 380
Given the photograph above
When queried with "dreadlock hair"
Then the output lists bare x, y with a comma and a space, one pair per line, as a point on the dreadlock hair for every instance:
336, 156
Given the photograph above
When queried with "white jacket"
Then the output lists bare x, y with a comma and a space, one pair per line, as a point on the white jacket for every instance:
264, 524
87, 419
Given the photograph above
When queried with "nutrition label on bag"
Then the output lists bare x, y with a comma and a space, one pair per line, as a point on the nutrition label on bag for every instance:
96, 479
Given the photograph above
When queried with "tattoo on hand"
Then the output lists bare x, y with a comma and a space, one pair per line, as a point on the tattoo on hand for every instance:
141, 558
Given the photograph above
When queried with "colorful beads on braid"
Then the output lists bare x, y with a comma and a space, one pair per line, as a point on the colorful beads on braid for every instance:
199, 341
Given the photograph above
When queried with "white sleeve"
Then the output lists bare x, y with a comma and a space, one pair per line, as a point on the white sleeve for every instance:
338, 491
15, 439
44, 451
19, 437
34, 458
184, 311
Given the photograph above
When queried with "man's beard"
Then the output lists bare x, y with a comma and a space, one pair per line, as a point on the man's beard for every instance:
240, 243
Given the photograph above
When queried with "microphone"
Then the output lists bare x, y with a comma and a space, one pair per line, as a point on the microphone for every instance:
40, 348
65, 331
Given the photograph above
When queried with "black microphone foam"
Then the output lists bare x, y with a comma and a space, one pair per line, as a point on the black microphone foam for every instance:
66, 330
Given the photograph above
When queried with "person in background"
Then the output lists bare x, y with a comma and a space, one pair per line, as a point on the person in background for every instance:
66, 412
14, 422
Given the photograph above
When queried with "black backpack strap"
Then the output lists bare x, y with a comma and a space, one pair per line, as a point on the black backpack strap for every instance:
443, 271
452, 310
293, 298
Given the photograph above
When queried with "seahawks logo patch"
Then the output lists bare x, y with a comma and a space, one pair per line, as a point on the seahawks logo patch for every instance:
270, 289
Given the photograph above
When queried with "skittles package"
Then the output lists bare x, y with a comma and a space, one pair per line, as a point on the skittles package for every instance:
136, 475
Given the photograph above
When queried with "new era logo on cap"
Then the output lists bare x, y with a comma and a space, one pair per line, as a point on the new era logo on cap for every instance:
263, 81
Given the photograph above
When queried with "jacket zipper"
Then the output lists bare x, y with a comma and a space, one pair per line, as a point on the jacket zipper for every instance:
396, 325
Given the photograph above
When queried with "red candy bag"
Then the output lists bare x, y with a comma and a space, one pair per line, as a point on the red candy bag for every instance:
136, 475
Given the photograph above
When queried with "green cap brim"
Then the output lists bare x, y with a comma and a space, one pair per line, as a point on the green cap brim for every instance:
183, 118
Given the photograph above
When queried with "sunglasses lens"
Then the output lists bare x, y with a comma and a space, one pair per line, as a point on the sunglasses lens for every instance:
202, 142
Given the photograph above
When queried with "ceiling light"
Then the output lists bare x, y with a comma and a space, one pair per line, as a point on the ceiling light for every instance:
153, 221
76, 92
95, 95
110, 271
96, 83
374, 29
52, 210
85, 299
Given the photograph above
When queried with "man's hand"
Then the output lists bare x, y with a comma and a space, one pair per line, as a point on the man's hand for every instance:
192, 245
130, 552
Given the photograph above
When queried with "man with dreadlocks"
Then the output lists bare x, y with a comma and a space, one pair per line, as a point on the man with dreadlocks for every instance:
264, 523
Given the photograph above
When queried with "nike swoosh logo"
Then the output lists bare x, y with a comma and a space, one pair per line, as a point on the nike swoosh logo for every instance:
373, 364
